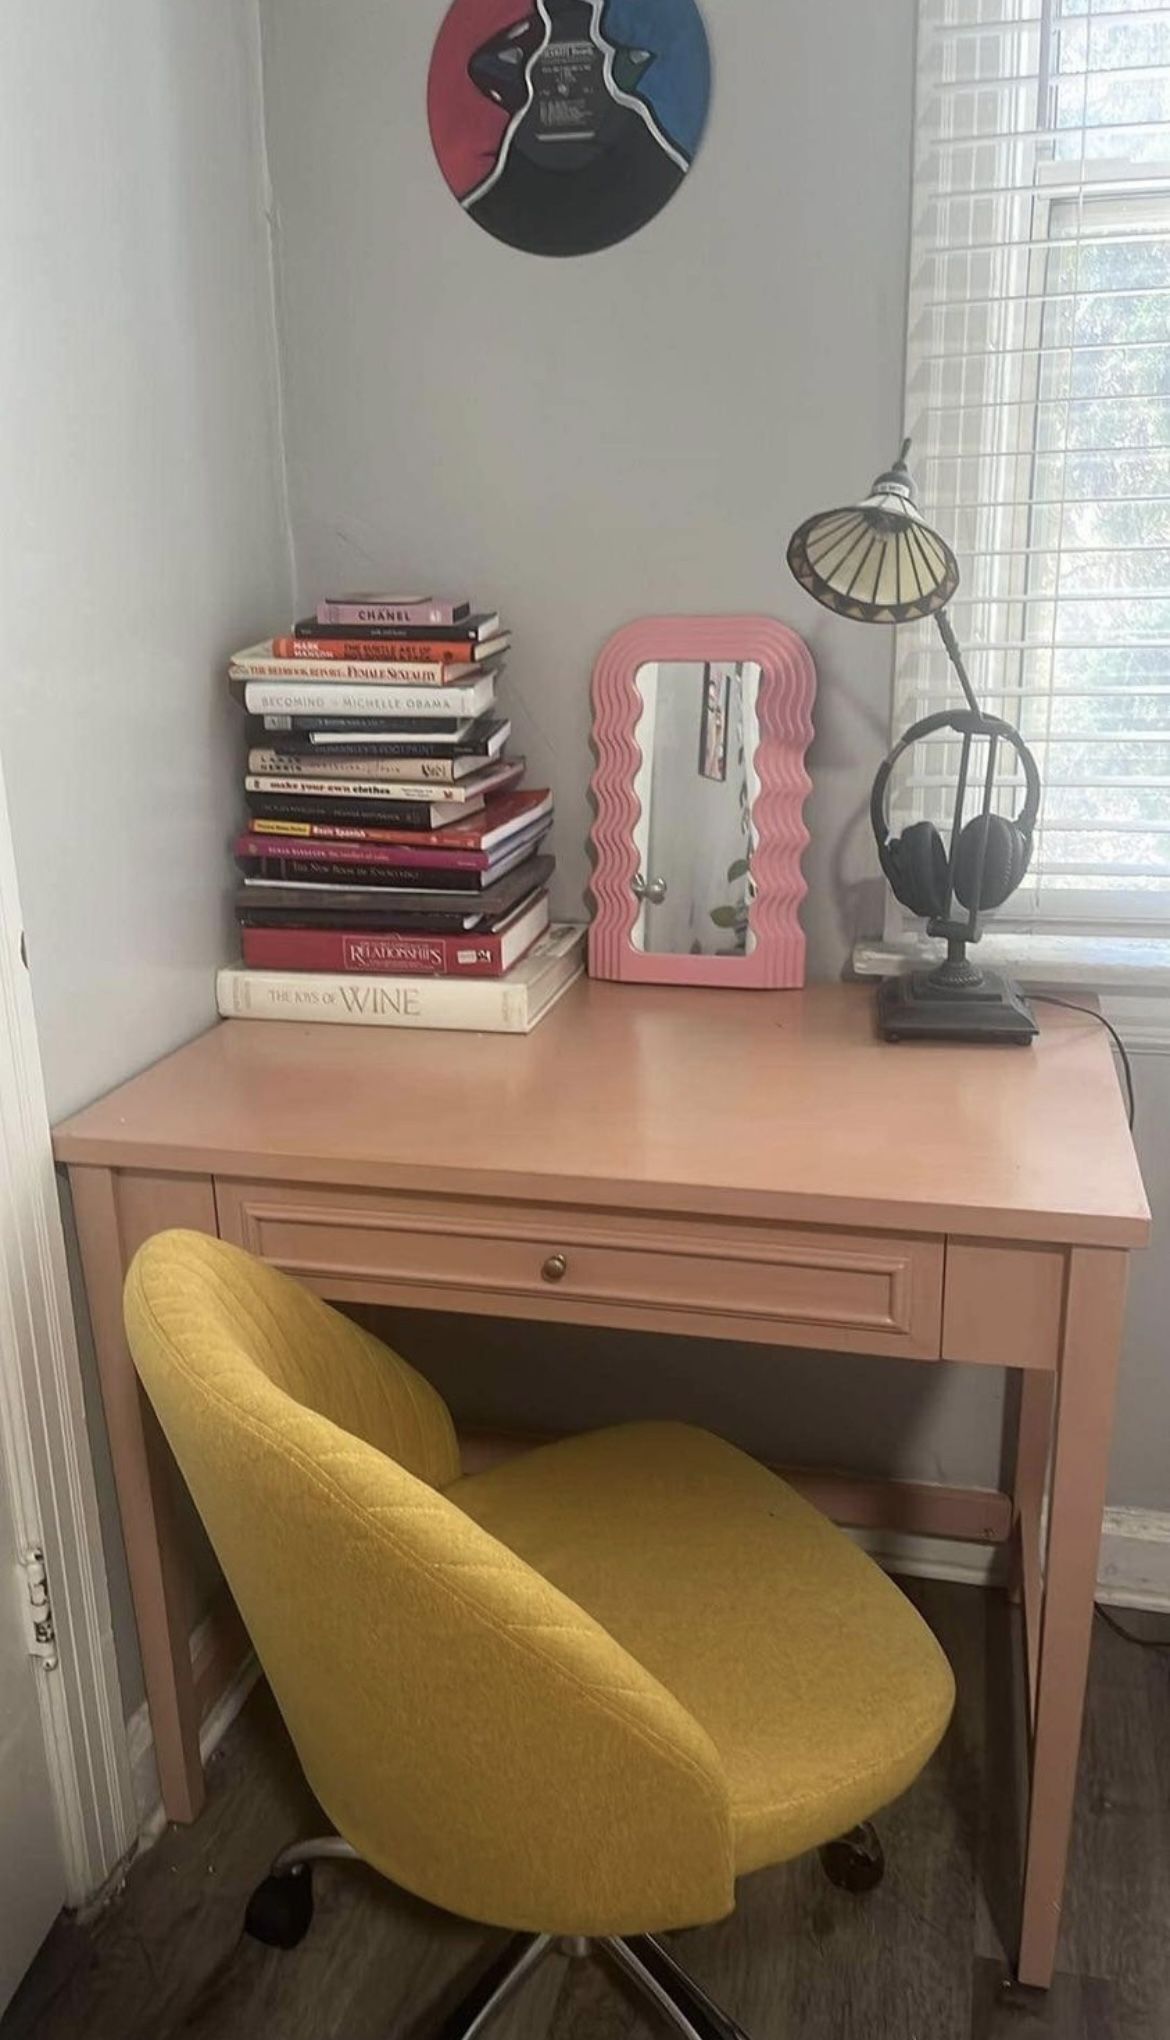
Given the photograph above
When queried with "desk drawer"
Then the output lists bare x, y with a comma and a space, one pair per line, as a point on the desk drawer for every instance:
715, 1278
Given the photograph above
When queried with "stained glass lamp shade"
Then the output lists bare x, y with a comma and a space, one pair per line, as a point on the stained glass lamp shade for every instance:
876, 561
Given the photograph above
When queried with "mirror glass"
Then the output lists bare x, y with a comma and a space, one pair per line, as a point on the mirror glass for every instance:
698, 733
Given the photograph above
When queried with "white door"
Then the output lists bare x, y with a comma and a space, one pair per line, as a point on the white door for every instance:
67, 1813
32, 1866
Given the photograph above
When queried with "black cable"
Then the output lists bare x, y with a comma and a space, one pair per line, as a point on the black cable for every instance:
1129, 1635
1070, 1005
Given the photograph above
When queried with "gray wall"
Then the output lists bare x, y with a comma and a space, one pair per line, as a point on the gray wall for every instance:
585, 442
142, 530
588, 441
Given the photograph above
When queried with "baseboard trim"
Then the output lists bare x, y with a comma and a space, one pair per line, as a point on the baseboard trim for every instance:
1135, 1559
206, 1658
937, 1558
1133, 1572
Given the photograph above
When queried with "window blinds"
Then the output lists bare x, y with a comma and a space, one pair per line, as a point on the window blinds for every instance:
1038, 397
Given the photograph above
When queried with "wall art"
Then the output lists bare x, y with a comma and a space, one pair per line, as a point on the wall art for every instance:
563, 126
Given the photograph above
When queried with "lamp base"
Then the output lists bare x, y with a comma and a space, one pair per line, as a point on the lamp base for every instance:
931, 1006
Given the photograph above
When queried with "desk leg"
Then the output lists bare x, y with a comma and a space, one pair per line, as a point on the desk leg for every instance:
108, 1236
1090, 1348
1033, 1451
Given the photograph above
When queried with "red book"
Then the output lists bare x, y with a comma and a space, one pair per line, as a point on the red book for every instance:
502, 816
419, 651
393, 856
398, 953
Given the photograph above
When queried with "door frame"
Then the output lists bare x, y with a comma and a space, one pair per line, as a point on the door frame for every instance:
44, 1445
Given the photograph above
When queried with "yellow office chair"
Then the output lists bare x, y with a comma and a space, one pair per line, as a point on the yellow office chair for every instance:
575, 1697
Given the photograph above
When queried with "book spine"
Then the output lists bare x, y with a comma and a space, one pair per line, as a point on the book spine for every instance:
478, 1005
337, 829
387, 615
401, 733
382, 856
335, 832
389, 790
388, 955
379, 651
337, 765
352, 753
326, 870
379, 672
269, 697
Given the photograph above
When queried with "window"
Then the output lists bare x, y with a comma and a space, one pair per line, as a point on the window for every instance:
1039, 403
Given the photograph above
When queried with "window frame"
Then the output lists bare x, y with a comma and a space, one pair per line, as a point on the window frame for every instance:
1017, 357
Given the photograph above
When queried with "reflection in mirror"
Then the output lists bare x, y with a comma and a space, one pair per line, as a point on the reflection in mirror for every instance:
698, 733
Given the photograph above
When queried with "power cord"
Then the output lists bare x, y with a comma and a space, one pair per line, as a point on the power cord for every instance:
1071, 1006
1130, 1635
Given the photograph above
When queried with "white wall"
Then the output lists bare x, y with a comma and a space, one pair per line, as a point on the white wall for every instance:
141, 524
142, 528
585, 442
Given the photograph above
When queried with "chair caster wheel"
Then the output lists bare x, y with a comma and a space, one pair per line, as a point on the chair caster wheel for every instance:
855, 1862
280, 1910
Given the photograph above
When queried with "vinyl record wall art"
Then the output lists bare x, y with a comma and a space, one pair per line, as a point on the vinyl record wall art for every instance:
563, 126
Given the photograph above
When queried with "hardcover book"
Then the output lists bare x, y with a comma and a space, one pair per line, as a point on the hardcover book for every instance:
458, 653
481, 743
456, 766
396, 953
472, 628
512, 1004
504, 817
455, 794
335, 698
326, 729
261, 902
409, 816
350, 610
284, 862
261, 662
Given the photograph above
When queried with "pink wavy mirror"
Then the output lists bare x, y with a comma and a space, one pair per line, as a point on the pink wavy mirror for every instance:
701, 725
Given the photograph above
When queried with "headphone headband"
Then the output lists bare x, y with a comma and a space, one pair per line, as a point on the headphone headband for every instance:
965, 724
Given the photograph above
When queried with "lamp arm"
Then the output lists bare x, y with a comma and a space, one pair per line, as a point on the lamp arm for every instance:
956, 658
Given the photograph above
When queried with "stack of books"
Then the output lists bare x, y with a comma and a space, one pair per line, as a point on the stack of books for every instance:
389, 833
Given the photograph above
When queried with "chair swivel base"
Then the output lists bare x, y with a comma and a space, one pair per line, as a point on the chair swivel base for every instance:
280, 1912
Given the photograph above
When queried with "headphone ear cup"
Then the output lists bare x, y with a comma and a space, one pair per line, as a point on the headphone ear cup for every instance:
916, 866
1005, 862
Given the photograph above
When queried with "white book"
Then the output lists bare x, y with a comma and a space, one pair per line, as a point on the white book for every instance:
260, 662
340, 740
452, 793
513, 1004
288, 697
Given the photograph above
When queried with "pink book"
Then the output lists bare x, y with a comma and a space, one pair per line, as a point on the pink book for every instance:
408, 611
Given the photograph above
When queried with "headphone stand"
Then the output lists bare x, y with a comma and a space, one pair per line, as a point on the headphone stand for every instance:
954, 1002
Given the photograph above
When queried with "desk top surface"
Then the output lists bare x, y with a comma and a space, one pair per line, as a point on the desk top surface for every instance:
761, 1104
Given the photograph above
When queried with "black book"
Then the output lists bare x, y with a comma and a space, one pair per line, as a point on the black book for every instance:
421, 815
484, 739
297, 906
450, 728
472, 629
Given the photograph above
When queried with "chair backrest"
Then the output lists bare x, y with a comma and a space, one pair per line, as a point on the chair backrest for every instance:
473, 1732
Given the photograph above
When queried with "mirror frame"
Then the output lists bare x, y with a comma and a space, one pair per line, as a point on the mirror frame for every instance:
787, 690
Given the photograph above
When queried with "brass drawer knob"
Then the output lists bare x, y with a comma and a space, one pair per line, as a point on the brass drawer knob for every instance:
555, 1268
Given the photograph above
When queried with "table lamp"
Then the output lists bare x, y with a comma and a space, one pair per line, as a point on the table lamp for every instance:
878, 561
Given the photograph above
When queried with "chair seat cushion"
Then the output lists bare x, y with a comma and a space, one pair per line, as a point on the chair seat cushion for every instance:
821, 1687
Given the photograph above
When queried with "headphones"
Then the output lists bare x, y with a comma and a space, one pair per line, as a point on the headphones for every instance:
991, 856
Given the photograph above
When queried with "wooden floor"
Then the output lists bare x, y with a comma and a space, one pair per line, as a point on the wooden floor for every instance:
921, 1959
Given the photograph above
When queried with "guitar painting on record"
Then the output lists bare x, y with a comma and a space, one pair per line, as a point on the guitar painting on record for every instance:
563, 126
